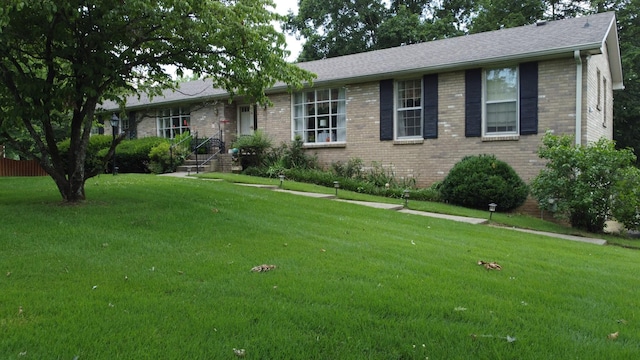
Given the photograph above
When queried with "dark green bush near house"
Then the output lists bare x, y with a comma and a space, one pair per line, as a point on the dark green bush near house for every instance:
97, 149
132, 156
476, 181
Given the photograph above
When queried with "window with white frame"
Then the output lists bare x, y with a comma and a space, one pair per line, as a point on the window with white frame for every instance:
319, 116
501, 101
174, 121
409, 108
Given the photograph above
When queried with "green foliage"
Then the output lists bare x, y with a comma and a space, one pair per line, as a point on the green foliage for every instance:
626, 107
361, 184
352, 169
132, 156
477, 181
626, 203
161, 160
496, 14
96, 151
587, 184
335, 27
252, 148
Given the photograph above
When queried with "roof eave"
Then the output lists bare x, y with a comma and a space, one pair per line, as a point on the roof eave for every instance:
590, 48
611, 43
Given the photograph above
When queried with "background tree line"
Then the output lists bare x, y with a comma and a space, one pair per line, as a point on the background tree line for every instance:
335, 27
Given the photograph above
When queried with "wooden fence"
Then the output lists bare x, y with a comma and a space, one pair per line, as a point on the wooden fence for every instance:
10, 167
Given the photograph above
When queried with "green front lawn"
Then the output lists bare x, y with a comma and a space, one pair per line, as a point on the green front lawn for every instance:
154, 267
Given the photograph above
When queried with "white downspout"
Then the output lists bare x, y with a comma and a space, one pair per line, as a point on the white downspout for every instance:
576, 56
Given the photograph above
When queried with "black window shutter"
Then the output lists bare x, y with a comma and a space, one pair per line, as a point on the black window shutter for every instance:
529, 98
386, 110
430, 106
473, 103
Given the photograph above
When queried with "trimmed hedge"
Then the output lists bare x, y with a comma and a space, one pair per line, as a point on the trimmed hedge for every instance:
477, 181
132, 156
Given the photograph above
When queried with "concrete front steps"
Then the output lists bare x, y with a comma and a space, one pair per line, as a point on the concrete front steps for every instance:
219, 163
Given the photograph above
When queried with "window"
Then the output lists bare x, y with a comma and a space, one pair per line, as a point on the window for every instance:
172, 122
599, 91
501, 101
319, 116
604, 101
409, 108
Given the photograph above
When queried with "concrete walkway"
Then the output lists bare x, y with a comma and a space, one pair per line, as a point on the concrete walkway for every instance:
400, 208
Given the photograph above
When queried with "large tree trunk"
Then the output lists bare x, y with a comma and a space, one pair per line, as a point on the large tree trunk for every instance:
72, 190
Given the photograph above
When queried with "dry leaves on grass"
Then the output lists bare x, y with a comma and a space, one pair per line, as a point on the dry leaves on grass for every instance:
613, 336
490, 265
263, 268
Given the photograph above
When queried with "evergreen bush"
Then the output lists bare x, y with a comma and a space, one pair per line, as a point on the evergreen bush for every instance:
476, 181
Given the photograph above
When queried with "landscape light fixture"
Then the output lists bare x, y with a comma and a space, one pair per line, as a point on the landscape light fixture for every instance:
114, 129
492, 209
336, 185
405, 195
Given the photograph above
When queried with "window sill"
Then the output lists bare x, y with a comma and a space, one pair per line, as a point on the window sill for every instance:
408, 142
501, 138
325, 145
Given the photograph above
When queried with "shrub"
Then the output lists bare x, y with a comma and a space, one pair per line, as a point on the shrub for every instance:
477, 181
588, 184
96, 150
132, 156
295, 157
252, 148
288, 156
162, 160
626, 203
352, 169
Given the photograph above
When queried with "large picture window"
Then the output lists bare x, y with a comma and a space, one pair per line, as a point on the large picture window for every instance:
319, 116
173, 122
501, 101
409, 108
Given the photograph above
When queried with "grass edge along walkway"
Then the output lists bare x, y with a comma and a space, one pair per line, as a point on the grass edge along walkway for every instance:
400, 208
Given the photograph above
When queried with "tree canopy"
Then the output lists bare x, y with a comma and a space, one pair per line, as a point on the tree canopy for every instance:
59, 59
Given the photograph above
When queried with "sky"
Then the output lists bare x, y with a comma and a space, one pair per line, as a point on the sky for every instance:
293, 45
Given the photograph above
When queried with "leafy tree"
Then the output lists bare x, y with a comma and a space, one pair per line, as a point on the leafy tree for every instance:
335, 27
496, 14
59, 59
403, 27
626, 107
587, 184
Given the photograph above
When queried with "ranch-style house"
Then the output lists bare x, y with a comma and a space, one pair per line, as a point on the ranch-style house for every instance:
419, 109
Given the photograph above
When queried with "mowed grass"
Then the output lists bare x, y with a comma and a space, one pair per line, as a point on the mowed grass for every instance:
155, 267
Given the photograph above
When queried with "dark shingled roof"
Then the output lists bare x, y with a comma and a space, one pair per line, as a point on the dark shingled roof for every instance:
552, 39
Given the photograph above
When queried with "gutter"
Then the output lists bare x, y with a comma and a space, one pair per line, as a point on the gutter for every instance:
576, 56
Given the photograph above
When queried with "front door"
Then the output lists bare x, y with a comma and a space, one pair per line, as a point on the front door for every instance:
245, 120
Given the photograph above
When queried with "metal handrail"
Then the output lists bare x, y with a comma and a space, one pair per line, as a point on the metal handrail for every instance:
211, 142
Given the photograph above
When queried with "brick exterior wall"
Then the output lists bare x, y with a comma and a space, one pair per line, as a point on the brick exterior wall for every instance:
598, 98
428, 161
